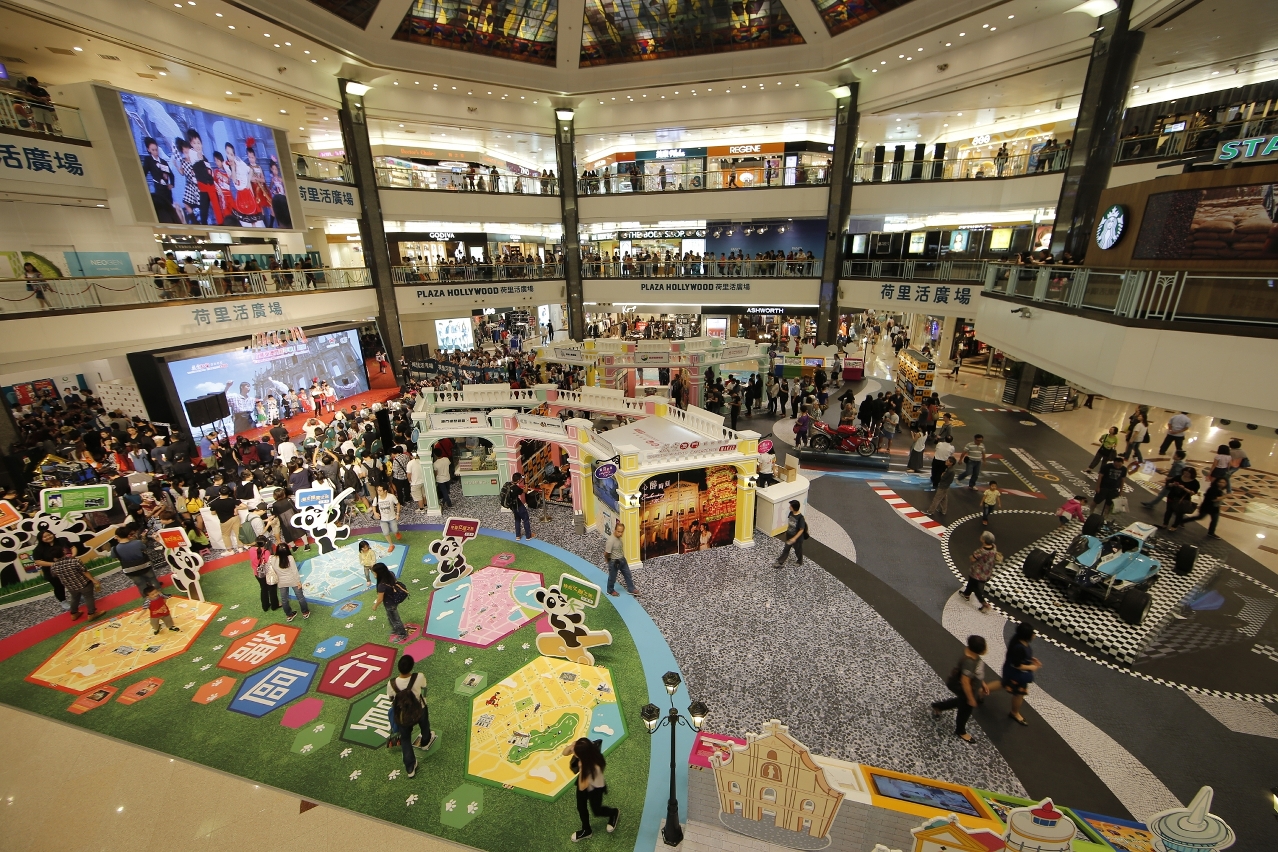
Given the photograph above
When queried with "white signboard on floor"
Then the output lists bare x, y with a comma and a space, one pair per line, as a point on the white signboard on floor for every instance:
936, 298
704, 291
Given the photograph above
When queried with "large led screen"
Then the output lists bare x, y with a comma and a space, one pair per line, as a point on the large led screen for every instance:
254, 381
454, 334
1223, 223
207, 169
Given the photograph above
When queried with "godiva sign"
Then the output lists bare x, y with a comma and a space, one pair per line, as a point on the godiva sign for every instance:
1252, 149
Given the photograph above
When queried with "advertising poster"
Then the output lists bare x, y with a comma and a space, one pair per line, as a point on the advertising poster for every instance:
606, 498
687, 510
202, 168
30, 393
254, 380
75, 499
1226, 223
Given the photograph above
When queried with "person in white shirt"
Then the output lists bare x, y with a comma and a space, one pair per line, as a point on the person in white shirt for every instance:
1136, 437
416, 481
1177, 426
443, 476
944, 449
767, 469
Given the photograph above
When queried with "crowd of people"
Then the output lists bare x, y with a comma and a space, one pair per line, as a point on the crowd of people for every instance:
191, 278
644, 263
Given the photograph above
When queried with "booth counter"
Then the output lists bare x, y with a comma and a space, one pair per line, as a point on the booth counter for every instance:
772, 504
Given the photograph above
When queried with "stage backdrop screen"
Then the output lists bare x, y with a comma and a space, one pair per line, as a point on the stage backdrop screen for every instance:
249, 377
202, 168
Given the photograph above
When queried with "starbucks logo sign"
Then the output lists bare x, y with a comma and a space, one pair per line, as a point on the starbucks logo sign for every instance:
1110, 228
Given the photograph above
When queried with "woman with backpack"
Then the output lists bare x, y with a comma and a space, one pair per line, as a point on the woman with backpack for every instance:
260, 559
390, 594
589, 763
408, 708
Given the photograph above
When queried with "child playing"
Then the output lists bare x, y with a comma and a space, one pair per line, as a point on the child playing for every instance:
367, 559
991, 499
159, 609
1071, 511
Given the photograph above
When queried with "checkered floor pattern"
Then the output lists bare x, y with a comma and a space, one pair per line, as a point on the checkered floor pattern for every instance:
1266, 651
1006, 410
1099, 626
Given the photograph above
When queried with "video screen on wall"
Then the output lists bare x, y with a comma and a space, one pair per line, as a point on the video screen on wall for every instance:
454, 334
1226, 223
202, 168
251, 378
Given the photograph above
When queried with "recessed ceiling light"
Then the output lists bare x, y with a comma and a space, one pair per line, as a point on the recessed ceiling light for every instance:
1037, 111
401, 125
1214, 73
949, 43
909, 59
288, 44
962, 34
898, 120
276, 45
164, 73
267, 35
326, 118
777, 84
307, 52
301, 128
945, 125
219, 14
960, 113
992, 29
663, 97
230, 92
920, 50
230, 26
1009, 17
188, 102
902, 56
796, 85
874, 70
179, 5
315, 60
985, 26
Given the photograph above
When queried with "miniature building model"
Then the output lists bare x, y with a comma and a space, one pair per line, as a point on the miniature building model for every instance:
946, 834
1040, 828
1191, 829
773, 779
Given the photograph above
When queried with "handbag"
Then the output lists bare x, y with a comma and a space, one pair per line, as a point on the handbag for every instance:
272, 577
1120, 505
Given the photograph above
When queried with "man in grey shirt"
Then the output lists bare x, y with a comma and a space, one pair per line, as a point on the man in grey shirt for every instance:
973, 456
615, 556
1177, 426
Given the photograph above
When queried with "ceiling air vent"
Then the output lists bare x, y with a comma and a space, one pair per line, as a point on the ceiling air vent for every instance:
235, 100
148, 76
108, 57
61, 50
163, 68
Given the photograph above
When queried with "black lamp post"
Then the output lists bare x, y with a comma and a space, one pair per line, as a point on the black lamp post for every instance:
651, 715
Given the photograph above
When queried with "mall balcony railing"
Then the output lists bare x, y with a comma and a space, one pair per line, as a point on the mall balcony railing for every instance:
20, 296
406, 276
30, 115
753, 178
968, 168
1154, 295
323, 168
916, 270
701, 269
432, 179
1199, 140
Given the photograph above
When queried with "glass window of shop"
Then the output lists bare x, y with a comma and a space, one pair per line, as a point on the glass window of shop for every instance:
676, 242
1199, 122
1027, 150
976, 242
671, 169
483, 175
806, 163
745, 164
765, 324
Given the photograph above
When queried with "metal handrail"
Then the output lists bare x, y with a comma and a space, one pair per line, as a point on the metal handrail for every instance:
705, 268
673, 180
60, 294
323, 168
406, 276
445, 179
967, 168
32, 115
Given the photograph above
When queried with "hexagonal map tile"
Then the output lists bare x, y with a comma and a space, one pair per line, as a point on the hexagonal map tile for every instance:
117, 647
484, 608
239, 628
303, 712
312, 738
261, 646
419, 650
331, 646
518, 727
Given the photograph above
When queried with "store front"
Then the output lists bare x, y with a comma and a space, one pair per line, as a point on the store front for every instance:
746, 164
1029, 150
655, 242
214, 248
807, 162
766, 324
671, 168
435, 247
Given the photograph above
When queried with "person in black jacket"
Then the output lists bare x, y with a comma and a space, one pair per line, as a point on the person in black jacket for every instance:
1211, 505
796, 531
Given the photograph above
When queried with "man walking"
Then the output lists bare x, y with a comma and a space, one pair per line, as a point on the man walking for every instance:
968, 686
443, 476
973, 456
1177, 426
615, 557
796, 530
944, 452
1177, 465
941, 501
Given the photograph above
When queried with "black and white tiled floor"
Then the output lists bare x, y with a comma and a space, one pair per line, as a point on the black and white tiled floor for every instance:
795, 644
1100, 626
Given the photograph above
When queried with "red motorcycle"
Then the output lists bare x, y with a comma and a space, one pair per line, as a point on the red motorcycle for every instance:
845, 439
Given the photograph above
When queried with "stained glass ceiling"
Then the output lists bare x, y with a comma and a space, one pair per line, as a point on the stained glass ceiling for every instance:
524, 30
638, 30
358, 12
843, 15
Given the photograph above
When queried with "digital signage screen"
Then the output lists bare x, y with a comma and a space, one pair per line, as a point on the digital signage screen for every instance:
254, 381
206, 169
454, 334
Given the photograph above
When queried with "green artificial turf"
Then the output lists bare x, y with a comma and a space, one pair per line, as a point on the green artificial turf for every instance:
261, 749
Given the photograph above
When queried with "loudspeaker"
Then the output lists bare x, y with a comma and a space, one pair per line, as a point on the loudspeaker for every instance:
207, 409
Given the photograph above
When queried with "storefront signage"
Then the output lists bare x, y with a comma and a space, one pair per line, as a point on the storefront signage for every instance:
982, 139
607, 470
769, 310
444, 422
432, 297
43, 161
1110, 228
1252, 149
541, 424
706, 292
698, 233
946, 300
668, 154
747, 149
319, 198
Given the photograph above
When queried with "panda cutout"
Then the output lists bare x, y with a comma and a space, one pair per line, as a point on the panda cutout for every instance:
13, 543
322, 522
571, 638
185, 565
452, 562
72, 531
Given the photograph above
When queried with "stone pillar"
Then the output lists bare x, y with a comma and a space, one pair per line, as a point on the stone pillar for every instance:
1115, 49
1025, 386
838, 207
372, 230
566, 158
948, 328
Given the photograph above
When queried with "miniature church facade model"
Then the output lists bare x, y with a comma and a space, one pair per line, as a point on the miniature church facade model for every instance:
774, 780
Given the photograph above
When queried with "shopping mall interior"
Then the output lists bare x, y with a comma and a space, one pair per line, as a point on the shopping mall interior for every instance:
923, 341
